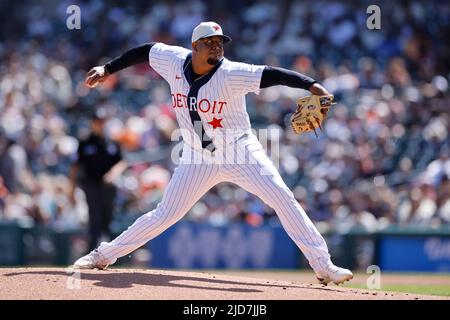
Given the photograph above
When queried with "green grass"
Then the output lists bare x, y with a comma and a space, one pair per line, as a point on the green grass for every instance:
411, 287
437, 290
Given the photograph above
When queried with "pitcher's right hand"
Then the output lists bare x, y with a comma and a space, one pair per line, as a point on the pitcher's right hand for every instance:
95, 76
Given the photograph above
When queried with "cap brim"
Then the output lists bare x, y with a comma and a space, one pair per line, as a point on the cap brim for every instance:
226, 39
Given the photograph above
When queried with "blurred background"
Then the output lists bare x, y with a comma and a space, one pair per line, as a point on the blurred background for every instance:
375, 181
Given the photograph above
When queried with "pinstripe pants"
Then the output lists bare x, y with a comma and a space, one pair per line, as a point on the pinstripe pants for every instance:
253, 171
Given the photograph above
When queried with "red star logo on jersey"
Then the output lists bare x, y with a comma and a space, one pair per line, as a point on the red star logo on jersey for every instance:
216, 27
216, 123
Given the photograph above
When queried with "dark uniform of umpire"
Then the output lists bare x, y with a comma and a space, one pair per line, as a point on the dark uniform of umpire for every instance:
98, 159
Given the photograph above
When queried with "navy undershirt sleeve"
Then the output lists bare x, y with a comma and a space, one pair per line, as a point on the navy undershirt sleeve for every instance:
131, 57
273, 76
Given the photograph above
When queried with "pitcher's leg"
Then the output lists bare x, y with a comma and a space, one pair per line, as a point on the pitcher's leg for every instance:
261, 178
188, 184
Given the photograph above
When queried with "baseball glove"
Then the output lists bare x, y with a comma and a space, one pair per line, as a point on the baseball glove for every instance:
311, 112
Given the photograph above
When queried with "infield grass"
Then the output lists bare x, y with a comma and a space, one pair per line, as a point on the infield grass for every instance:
418, 283
437, 290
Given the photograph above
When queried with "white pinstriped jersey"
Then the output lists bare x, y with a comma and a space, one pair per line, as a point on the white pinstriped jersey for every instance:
220, 101
220, 98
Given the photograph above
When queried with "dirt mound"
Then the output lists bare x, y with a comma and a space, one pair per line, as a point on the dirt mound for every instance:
60, 283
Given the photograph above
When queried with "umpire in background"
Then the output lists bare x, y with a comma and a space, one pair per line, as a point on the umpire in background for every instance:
98, 163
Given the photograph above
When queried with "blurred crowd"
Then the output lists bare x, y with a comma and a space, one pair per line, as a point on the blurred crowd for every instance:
382, 159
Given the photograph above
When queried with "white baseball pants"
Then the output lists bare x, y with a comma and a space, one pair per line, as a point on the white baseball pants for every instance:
254, 172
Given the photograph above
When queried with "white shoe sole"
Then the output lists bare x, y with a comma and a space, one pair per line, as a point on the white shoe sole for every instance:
327, 280
89, 267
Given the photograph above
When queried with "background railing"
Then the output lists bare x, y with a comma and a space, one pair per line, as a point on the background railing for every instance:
238, 246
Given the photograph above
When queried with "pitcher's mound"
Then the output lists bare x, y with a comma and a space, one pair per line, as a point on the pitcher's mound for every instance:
60, 283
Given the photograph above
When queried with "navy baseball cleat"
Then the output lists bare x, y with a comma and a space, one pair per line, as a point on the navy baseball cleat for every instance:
93, 260
334, 274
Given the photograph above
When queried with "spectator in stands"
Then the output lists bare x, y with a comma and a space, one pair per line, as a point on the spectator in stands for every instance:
392, 88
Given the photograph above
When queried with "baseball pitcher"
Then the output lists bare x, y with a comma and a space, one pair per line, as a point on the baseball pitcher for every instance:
208, 95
